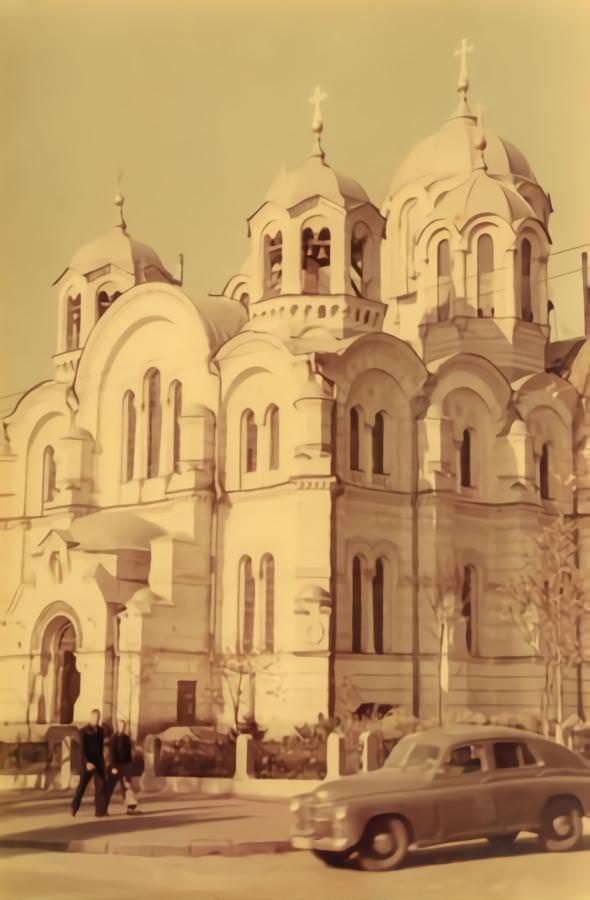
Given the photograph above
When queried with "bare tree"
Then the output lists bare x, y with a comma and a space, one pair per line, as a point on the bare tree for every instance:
446, 603
236, 675
546, 602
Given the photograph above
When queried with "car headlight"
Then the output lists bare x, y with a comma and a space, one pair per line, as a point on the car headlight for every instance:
295, 805
339, 813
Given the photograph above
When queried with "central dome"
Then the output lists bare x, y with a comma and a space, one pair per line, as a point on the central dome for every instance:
451, 151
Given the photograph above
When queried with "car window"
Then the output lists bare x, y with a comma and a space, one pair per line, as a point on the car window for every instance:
465, 759
513, 755
412, 753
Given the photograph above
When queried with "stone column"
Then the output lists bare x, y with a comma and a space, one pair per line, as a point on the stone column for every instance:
334, 755
369, 741
244, 757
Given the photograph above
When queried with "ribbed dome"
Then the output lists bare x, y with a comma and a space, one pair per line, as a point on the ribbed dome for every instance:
478, 193
451, 151
315, 178
117, 248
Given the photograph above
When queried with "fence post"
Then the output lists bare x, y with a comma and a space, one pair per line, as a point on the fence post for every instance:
334, 755
244, 756
65, 762
369, 742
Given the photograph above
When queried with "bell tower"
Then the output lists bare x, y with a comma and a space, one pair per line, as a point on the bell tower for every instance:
315, 250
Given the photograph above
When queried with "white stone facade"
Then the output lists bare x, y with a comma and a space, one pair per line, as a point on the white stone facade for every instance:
278, 473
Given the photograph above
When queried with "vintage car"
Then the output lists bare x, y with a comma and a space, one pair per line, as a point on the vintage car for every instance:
446, 784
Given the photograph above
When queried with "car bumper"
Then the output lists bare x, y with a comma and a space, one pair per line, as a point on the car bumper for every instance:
306, 842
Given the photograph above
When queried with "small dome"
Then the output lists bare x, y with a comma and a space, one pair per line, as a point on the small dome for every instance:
482, 193
451, 151
315, 178
117, 248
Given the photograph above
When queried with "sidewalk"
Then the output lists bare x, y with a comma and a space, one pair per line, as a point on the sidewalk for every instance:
192, 825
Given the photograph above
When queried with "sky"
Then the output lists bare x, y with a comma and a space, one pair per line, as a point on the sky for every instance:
201, 102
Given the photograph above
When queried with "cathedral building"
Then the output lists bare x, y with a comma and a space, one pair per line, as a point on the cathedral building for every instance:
266, 485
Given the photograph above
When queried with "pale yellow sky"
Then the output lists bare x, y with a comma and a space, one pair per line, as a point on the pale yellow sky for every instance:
202, 102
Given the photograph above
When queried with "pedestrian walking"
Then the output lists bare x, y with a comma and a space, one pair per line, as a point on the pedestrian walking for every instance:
92, 765
121, 766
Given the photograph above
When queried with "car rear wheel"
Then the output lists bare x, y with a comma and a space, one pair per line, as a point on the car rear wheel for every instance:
332, 857
384, 845
561, 826
503, 840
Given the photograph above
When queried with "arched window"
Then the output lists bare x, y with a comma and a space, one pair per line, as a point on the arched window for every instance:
315, 260
273, 263
357, 605
272, 428
465, 460
103, 301
154, 422
128, 442
176, 400
544, 479
267, 567
525, 281
485, 276
248, 441
354, 439
379, 443
246, 601
468, 608
443, 281
358, 261
73, 322
49, 475
378, 611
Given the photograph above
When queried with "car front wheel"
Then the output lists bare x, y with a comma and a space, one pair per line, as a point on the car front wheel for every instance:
384, 845
561, 827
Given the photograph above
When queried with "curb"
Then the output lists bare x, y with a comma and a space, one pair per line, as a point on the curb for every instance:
194, 848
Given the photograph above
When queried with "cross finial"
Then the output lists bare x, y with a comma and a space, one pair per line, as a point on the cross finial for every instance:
120, 200
317, 124
461, 52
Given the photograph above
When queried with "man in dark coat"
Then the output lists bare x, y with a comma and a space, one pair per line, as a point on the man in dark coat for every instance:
91, 764
121, 766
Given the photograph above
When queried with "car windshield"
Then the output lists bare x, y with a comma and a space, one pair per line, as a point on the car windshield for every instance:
412, 753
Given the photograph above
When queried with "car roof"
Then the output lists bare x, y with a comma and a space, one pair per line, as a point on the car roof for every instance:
459, 732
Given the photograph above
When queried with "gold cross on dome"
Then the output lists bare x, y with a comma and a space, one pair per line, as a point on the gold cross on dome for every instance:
462, 52
316, 99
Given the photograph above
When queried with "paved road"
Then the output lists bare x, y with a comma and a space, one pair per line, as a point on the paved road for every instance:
468, 872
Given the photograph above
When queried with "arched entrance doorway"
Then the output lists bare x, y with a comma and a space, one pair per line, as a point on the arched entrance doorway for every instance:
59, 672
67, 677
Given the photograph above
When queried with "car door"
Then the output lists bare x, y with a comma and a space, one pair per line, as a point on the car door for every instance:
463, 795
515, 787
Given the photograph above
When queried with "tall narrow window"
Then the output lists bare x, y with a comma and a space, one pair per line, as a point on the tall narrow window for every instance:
128, 442
248, 441
468, 610
154, 423
272, 429
268, 583
316, 259
49, 474
378, 591
465, 460
354, 439
544, 473
176, 399
73, 314
525, 281
443, 281
246, 602
357, 605
273, 263
358, 267
379, 443
485, 276
103, 301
